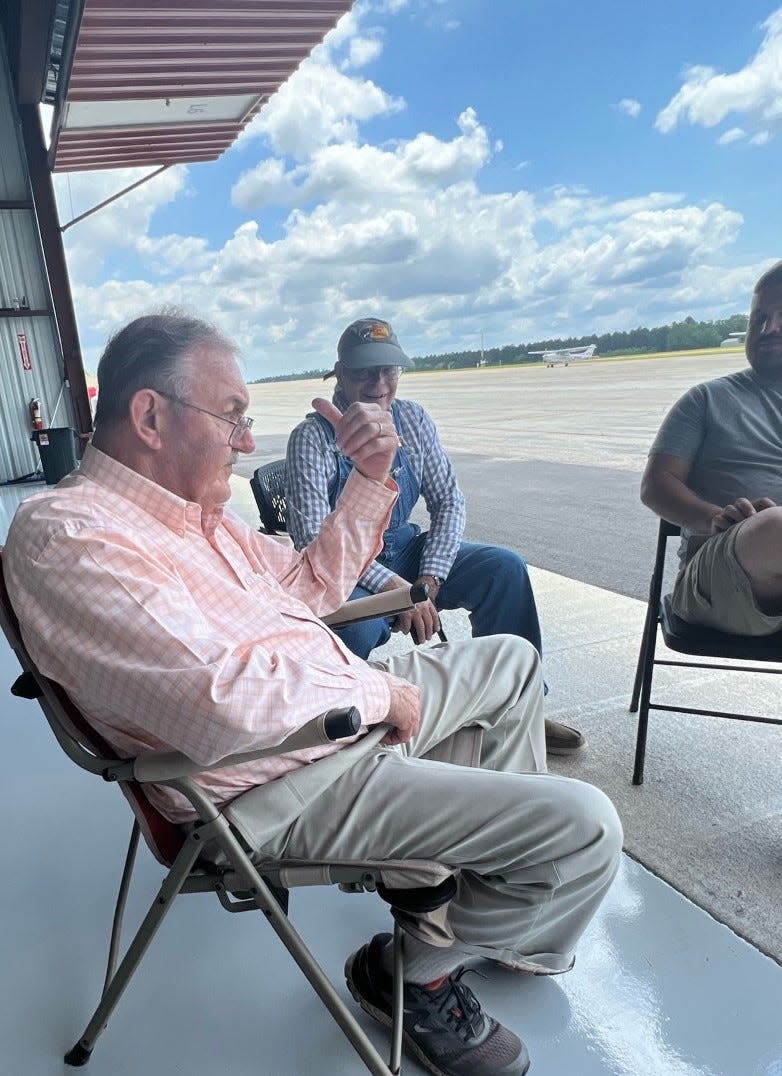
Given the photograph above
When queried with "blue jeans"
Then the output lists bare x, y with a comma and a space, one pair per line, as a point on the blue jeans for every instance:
490, 582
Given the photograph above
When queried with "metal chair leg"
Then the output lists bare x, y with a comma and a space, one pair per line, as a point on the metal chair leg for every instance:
172, 884
645, 670
398, 1009
650, 625
643, 714
292, 941
119, 910
652, 616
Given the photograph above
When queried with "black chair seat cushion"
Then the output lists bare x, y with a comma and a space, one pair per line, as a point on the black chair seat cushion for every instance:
707, 642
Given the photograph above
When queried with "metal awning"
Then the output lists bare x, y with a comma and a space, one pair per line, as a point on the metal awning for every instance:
145, 83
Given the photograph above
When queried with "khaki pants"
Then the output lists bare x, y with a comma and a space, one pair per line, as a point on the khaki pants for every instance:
713, 590
536, 852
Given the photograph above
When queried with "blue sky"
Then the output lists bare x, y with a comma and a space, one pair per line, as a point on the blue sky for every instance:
517, 168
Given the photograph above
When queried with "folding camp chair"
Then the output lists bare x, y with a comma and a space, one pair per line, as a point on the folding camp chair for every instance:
414, 888
268, 486
696, 641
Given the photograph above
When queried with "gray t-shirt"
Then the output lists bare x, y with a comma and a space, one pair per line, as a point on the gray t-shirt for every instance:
731, 429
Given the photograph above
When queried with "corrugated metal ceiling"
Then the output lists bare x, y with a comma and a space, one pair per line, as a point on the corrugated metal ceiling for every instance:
160, 83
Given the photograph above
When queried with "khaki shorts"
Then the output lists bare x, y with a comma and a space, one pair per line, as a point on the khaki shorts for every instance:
714, 590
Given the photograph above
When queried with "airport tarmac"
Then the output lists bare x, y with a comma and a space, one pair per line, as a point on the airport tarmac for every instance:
604, 412
568, 443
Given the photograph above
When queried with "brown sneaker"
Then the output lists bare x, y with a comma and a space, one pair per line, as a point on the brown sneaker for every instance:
562, 739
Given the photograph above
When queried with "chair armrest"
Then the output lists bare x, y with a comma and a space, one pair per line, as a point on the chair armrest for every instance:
168, 765
386, 603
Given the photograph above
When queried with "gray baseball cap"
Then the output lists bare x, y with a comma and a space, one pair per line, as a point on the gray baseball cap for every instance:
370, 342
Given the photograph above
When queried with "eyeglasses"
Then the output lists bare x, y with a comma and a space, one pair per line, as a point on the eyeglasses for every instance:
240, 426
369, 373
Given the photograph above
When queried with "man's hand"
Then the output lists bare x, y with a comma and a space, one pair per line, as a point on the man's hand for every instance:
741, 509
423, 620
404, 713
366, 434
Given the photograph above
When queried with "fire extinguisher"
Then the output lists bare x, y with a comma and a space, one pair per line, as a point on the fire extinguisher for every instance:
35, 414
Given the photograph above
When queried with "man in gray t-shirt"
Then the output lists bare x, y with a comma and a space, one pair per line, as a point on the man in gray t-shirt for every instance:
715, 468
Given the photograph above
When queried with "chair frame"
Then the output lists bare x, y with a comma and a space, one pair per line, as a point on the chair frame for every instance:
690, 640
268, 486
240, 886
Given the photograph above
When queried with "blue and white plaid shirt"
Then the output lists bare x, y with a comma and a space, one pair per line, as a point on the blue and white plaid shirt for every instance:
311, 465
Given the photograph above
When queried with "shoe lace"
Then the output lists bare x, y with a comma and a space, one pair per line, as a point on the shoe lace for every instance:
461, 1008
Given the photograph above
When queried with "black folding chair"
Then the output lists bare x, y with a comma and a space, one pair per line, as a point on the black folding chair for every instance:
268, 486
695, 641
415, 889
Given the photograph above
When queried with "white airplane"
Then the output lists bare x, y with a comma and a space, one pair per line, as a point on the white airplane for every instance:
564, 356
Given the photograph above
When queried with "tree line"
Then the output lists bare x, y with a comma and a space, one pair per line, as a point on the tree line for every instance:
684, 335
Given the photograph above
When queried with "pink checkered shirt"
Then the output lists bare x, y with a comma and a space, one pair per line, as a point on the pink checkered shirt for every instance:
204, 639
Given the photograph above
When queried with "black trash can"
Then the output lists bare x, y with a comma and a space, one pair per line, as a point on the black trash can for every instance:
58, 447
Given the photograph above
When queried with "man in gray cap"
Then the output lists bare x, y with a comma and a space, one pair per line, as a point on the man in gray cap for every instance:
490, 582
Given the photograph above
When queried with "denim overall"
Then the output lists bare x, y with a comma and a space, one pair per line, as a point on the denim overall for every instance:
489, 581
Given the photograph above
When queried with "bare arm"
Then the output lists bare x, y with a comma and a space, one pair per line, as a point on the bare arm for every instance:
664, 489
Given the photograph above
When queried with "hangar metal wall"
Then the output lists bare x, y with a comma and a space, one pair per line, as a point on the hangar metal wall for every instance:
31, 361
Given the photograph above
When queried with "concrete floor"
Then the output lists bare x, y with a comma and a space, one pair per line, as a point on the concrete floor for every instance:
659, 988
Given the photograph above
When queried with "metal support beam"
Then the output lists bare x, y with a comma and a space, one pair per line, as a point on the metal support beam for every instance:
35, 18
114, 197
56, 266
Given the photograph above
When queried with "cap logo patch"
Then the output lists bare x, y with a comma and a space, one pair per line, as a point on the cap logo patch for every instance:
376, 330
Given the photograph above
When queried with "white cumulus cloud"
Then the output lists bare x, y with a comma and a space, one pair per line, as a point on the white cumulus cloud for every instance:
322, 103
360, 174
319, 105
362, 51
734, 134
629, 106
408, 228
708, 96
119, 226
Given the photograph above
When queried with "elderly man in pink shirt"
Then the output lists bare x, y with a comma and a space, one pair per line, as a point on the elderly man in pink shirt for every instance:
173, 624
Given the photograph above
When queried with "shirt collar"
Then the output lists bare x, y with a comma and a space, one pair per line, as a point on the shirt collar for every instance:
171, 510
773, 381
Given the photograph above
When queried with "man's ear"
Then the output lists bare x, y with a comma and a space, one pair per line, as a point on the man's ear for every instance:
146, 417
